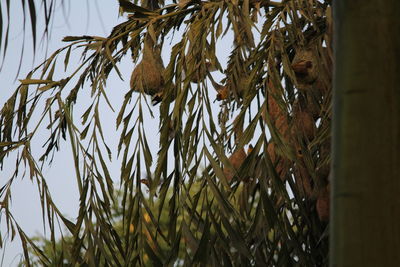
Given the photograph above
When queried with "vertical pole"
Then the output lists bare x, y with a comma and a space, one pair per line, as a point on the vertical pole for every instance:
365, 227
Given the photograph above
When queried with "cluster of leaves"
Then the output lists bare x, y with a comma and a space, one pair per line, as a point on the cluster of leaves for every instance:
272, 211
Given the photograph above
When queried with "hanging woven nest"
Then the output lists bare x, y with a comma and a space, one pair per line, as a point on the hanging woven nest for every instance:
147, 77
305, 67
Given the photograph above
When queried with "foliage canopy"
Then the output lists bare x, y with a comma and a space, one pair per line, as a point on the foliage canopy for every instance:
267, 206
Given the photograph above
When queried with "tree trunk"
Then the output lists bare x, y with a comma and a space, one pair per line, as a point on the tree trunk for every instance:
365, 228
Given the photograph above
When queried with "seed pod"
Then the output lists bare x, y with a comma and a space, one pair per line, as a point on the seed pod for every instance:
147, 77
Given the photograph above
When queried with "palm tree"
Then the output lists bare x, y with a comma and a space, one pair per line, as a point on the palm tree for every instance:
228, 203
